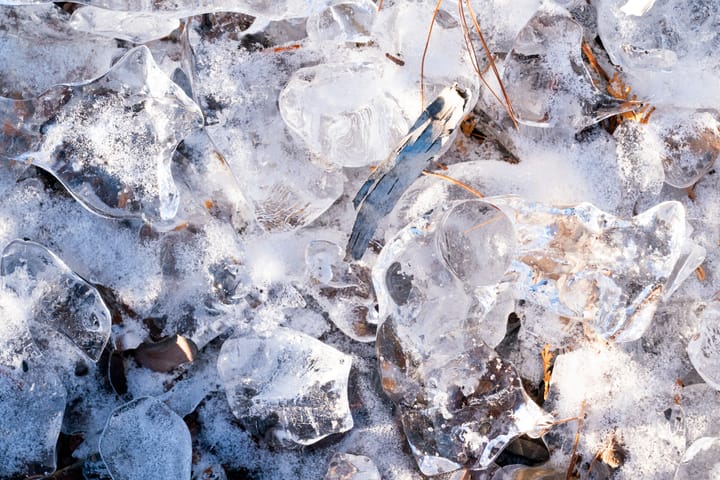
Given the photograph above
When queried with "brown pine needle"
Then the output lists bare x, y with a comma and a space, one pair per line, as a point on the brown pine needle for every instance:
547, 357
454, 181
508, 104
380, 5
422, 61
573, 456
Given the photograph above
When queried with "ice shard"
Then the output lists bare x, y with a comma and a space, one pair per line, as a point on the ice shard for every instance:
584, 263
60, 299
701, 460
135, 27
286, 386
32, 402
145, 439
343, 21
109, 141
546, 78
428, 138
344, 466
461, 404
704, 347
348, 130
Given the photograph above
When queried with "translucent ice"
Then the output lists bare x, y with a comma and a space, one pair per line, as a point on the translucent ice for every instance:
343, 21
135, 27
669, 48
343, 289
701, 460
349, 130
344, 466
39, 49
704, 347
546, 78
521, 472
286, 386
144, 439
61, 300
109, 141
460, 403
582, 262
32, 403
428, 138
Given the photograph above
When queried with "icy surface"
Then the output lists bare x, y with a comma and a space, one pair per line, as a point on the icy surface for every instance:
286, 386
704, 347
344, 466
146, 428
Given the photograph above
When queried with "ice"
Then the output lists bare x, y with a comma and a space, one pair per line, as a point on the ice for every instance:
61, 300
39, 49
667, 47
135, 27
546, 78
582, 262
145, 439
348, 130
700, 460
461, 404
427, 140
704, 347
344, 290
342, 21
286, 386
32, 401
109, 141
344, 466
521, 472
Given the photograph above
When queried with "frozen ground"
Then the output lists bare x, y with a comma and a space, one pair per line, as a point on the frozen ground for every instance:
244, 240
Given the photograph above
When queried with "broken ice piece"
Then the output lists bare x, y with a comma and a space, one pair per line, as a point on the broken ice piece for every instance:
691, 141
704, 347
344, 290
286, 386
546, 78
109, 141
522, 472
135, 27
61, 300
344, 466
348, 130
462, 404
144, 439
429, 137
343, 21
32, 403
701, 460
584, 263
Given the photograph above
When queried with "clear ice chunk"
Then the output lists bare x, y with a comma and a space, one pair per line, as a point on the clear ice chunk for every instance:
691, 141
109, 141
546, 78
144, 439
343, 290
61, 300
343, 21
286, 386
701, 460
344, 466
704, 347
39, 49
135, 27
32, 403
584, 263
429, 137
668, 49
461, 404
347, 130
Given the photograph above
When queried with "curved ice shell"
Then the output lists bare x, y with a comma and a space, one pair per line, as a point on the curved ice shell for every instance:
61, 300
145, 440
109, 141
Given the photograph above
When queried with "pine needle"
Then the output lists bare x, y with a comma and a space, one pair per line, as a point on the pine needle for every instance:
454, 181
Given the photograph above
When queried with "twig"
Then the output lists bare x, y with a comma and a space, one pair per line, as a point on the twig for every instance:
573, 456
460, 184
422, 62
